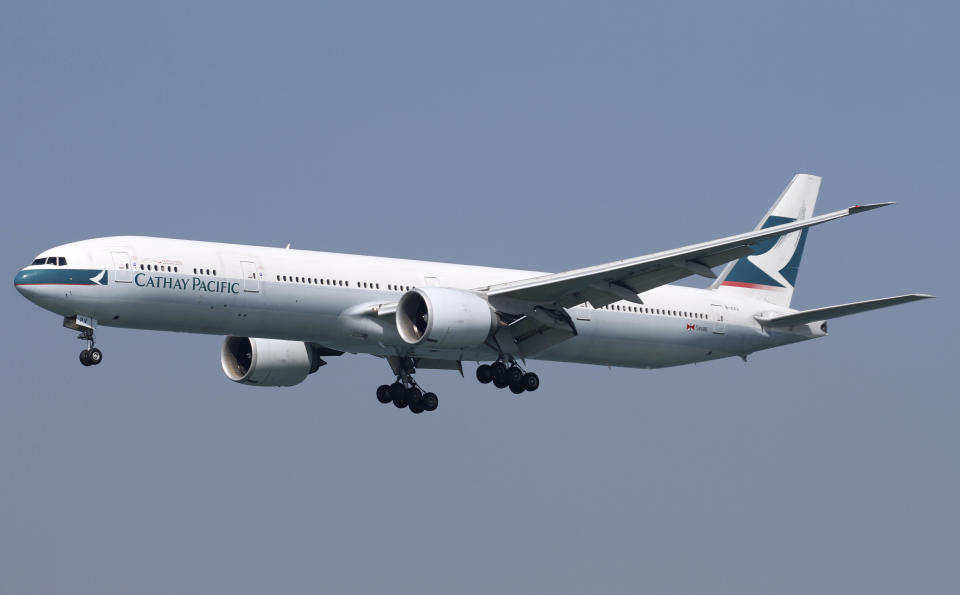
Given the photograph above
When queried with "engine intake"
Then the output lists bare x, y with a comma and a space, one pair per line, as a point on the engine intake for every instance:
444, 318
268, 362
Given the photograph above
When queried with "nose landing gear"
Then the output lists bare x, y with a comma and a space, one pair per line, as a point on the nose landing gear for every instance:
91, 356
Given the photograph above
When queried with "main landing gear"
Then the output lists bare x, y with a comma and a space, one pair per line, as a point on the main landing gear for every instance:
512, 376
405, 392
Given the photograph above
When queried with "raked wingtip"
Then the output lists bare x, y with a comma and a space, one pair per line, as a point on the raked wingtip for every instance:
870, 207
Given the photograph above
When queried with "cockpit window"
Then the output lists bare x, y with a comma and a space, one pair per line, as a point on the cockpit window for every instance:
57, 261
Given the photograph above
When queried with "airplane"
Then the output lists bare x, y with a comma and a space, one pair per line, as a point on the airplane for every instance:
282, 310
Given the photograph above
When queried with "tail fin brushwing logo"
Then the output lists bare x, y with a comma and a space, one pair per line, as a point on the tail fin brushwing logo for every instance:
773, 266
100, 278
774, 263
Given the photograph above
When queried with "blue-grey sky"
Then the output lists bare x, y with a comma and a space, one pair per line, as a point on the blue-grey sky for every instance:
543, 136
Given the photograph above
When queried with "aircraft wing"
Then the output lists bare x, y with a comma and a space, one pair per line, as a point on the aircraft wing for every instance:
624, 279
818, 314
535, 308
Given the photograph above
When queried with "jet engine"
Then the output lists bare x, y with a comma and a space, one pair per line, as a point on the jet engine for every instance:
444, 318
268, 362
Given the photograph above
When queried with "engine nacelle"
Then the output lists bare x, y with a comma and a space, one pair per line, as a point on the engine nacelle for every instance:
268, 362
444, 318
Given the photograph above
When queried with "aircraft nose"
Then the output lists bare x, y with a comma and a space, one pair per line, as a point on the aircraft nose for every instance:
20, 282
26, 283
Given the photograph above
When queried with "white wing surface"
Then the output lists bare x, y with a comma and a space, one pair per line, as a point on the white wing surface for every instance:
534, 309
624, 279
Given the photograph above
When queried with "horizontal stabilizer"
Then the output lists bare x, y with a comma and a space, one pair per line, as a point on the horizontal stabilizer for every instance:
818, 314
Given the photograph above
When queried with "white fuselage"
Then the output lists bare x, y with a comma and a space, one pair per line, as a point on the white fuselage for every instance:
327, 298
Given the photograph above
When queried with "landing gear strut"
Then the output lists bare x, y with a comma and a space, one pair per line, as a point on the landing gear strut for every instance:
406, 393
512, 376
91, 356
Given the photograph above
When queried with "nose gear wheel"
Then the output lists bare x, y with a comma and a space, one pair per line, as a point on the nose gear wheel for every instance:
91, 356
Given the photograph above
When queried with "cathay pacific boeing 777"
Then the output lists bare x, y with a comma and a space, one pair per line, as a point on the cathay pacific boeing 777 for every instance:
284, 310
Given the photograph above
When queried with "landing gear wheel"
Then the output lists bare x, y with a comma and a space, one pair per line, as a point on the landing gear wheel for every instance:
414, 398
85, 357
416, 408
530, 381
514, 374
500, 382
396, 391
484, 374
383, 394
516, 388
95, 356
498, 370
430, 402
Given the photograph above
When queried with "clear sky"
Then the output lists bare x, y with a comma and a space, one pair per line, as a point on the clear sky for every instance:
543, 136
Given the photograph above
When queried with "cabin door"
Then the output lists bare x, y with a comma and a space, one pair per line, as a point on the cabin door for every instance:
251, 282
121, 266
719, 325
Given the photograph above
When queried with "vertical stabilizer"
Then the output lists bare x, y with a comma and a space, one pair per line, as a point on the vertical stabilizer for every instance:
770, 273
